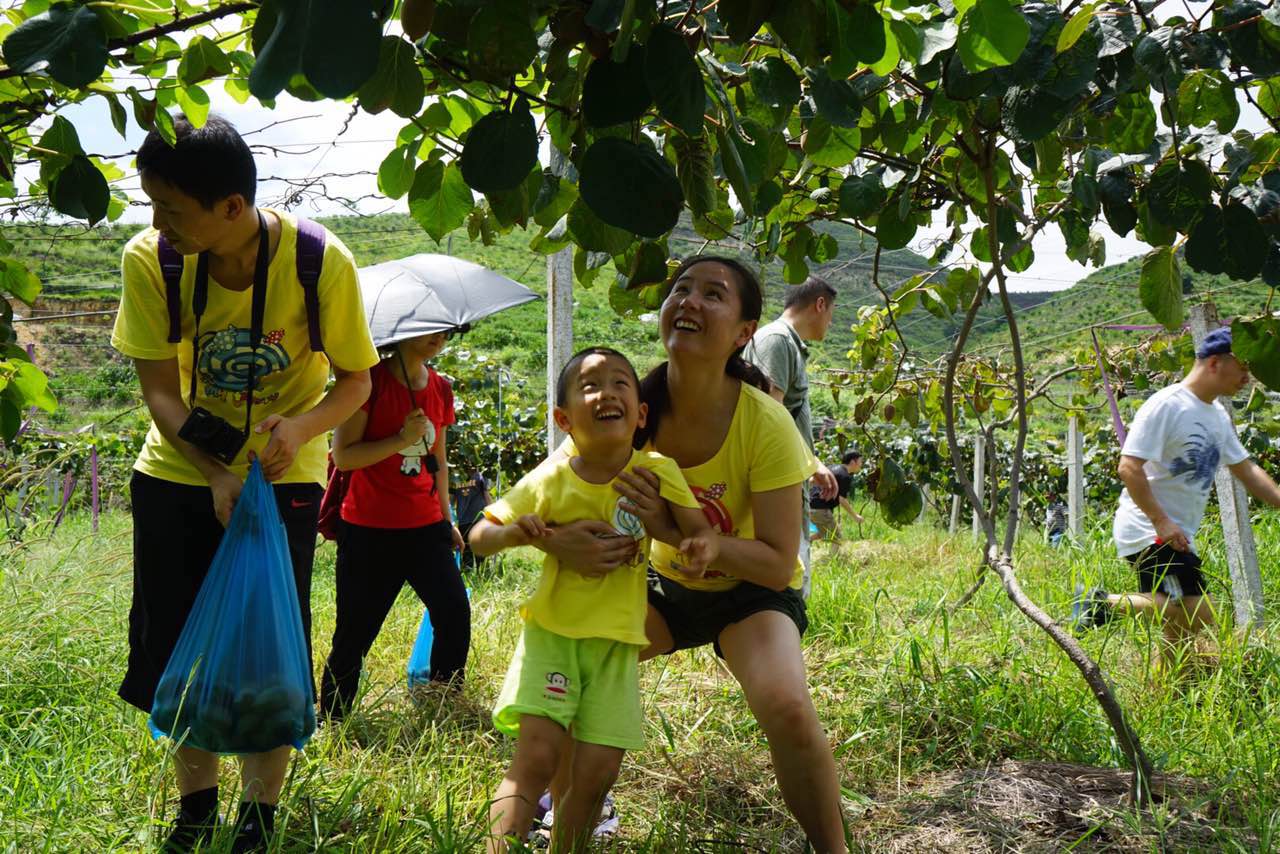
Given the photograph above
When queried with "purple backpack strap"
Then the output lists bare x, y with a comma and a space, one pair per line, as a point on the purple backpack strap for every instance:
171, 269
310, 263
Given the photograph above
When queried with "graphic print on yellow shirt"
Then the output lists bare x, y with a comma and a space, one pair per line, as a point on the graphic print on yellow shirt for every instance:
290, 378
762, 451
565, 601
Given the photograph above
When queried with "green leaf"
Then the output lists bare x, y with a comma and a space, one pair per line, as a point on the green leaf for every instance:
735, 172
839, 146
904, 506
398, 81
16, 279
513, 206
80, 191
861, 196
334, 43
238, 89
630, 186
1176, 193
194, 102
647, 264
1230, 241
695, 168
395, 175
1208, 96
33, 386
774, 83
163, 124
992, 34
439, 199
1160, 287
605, 15
866, 27
616, 92
594, 234
202, 60
893, 229
768, 197
674, 80
836, 99
1256, 342
68, 41
500, 42
500, 149
1268, 98
119, 119
553, 200
1132, 127
742, 19
1075, 28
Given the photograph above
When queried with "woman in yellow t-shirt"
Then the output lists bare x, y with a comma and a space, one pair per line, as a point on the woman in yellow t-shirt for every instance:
746, 463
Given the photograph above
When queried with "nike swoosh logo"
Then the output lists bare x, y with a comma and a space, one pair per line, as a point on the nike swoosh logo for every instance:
295, 503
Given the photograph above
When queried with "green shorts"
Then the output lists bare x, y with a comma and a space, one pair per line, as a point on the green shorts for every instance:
591, 684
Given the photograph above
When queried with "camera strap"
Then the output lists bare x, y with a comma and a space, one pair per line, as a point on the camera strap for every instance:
200, 301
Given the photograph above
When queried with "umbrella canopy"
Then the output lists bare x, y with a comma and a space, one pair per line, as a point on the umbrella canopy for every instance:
428, 293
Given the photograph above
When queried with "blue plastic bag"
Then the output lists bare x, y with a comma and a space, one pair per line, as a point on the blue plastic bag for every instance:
239, 679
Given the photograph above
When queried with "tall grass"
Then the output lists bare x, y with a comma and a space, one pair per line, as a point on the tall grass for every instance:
906, 689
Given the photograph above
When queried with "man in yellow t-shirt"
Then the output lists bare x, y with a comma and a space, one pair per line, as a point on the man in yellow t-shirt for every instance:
202, 191
577, 662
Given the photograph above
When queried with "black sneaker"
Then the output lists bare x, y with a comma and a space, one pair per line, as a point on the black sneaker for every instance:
1089, 609
187, 836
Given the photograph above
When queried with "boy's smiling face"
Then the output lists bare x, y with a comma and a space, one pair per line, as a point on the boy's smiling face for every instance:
603, 403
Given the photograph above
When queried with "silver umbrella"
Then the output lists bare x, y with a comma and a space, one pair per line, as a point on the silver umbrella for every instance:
428, 293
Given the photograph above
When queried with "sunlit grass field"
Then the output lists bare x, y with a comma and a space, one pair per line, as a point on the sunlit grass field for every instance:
952, 731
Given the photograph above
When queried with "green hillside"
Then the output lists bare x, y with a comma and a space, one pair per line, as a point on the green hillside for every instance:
1061, 323
83, 264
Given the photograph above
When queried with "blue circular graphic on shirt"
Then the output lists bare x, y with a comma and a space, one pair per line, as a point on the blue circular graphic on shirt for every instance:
227, 358
626, 523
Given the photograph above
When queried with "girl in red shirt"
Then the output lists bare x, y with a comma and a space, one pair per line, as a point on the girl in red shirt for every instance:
396, 525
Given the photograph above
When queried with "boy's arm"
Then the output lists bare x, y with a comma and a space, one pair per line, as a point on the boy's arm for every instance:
163, 395
289, 434
700, 545
488, 537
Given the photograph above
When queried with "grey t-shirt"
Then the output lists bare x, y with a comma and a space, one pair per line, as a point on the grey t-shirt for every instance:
777, 350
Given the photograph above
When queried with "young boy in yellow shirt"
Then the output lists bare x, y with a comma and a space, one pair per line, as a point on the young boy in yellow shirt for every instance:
577, 662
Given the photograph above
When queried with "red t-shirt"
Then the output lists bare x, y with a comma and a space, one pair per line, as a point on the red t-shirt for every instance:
399, 492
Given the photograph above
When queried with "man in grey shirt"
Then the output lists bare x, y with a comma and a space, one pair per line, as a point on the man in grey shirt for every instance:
779, 349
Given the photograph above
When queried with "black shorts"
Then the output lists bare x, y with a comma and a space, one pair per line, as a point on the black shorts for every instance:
175, 535
697, 617
1164, 569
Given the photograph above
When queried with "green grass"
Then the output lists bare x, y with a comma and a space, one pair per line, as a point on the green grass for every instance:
906, 690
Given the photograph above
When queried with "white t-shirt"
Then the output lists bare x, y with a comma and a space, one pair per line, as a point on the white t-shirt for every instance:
1183, 440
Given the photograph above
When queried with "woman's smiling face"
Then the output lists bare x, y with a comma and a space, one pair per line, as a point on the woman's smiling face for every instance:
702, 314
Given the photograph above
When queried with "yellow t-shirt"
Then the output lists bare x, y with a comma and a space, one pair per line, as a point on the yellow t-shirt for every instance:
763, 451
567, 602
291, 379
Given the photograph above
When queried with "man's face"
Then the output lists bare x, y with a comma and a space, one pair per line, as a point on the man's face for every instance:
189, 227
1231, 373
825, 312
855, 466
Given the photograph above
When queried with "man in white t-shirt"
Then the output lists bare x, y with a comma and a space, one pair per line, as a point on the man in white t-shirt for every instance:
1178, 439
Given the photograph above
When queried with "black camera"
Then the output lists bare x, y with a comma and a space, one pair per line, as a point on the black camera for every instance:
212, 434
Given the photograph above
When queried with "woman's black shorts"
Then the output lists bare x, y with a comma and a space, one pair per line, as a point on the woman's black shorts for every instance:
697, 617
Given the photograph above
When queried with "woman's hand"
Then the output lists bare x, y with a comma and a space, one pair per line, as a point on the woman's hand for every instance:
415, 426
640, 489
588, 547
458, 542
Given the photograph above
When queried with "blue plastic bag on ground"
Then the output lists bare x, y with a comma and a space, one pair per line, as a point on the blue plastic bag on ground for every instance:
239, 679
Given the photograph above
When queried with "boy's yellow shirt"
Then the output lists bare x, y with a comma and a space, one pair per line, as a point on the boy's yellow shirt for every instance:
291, 379
763, 451
565, 601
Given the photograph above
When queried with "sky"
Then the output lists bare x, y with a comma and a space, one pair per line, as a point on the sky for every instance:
300, 142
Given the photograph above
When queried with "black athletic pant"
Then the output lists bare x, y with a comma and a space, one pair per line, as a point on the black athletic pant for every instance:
373, 565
